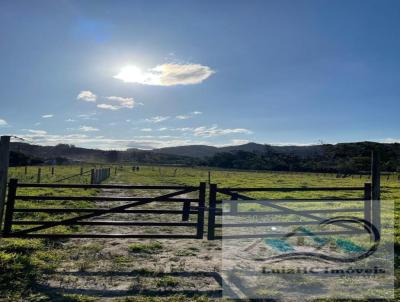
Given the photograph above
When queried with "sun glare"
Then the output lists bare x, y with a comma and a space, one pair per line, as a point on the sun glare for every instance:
131, 74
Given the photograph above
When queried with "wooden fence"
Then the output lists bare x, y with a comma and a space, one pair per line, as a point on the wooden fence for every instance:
99, 175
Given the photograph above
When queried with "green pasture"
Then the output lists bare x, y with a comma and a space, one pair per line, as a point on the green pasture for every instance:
22, 261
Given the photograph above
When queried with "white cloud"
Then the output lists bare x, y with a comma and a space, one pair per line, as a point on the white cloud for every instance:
123, 102
47, 116
37, 132
183, 117
188, 116
107, 107
102, 142
166, 74
212, 131
163, 129
86, 96
390, 140
146, 129
3, 122
157, 119
88, 116
215, 131
70, 120
239, 142
88, 128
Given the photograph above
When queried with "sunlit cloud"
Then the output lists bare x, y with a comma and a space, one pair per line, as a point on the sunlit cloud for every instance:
47, 115
108, 107
166, 74
119, 103
86, 96
70, 120
3, 122
390, 140
88, 129
236, 142
157, 119
146, 129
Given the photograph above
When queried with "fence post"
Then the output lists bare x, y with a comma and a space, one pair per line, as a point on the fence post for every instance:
368, 204
209, 177
115, 171
4, 161
92, 176
39, 173
211, 212
81, 172
12, 189
200, 211
234, 204
26, 170
185, 211
376, 190
52, 170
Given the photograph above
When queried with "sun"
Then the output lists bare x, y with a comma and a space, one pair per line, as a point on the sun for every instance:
131, 74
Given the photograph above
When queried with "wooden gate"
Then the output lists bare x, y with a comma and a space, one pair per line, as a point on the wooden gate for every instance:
189, 216
369, 209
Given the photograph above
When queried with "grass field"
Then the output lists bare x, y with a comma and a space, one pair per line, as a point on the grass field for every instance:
26, 263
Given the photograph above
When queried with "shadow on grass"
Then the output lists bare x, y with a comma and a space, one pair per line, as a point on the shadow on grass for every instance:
55, 291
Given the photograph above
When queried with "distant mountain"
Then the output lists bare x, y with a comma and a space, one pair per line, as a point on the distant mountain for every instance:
77, 154
206, 151
201, 151
191, 150
344, 157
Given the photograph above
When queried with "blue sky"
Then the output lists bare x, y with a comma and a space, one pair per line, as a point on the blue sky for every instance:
149, 74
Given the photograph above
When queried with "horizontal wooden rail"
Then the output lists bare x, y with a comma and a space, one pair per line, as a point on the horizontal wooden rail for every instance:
100, 198
263, 224
127, 236
323, 211
277, 235
71, 176
107, 222
82, 186
231, 190
291, 200
97, 210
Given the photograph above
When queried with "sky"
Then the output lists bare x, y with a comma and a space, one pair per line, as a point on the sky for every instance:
152, 74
